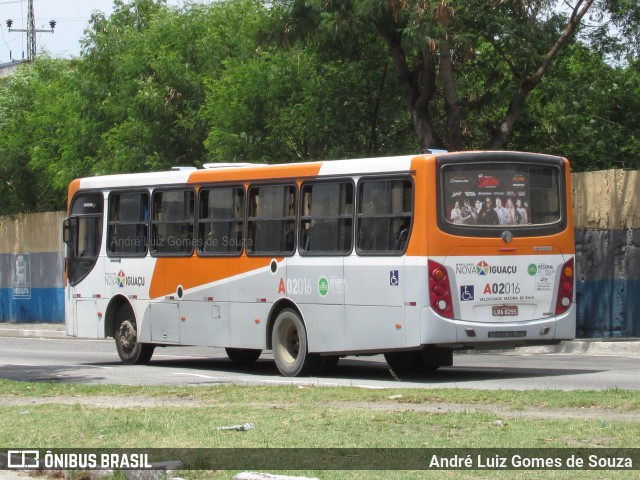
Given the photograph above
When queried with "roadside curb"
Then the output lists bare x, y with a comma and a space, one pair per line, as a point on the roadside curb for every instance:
33, 332
629, 347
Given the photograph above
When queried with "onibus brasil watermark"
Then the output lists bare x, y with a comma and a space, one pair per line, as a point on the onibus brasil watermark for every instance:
34, 459
324, 458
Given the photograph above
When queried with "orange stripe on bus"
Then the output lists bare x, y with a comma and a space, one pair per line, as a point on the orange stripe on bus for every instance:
195, 271
74, 186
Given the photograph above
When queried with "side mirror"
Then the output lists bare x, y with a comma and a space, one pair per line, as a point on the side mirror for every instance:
68, 229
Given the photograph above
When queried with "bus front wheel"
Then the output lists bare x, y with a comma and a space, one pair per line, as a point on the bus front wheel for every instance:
290, 348
130, 351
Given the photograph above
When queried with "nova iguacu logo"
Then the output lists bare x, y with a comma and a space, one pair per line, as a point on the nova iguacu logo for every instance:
122, 280
483, 268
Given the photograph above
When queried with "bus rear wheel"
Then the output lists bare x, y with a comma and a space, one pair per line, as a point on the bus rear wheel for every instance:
404, 362
243, 356
290, 348
130, 351
420, 361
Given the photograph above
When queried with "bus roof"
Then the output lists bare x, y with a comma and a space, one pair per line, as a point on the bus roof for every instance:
242, 172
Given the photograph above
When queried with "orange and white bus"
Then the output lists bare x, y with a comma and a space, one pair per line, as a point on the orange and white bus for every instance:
410, 256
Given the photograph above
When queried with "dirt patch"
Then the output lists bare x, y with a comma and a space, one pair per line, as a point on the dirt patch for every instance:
103, 401
433, 408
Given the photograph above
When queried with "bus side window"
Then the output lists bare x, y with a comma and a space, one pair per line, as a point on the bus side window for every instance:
327, 218
221, 221
127, 229
385, 209
173, 222
271, 220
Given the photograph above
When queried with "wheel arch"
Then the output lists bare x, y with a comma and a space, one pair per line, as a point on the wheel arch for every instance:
117, 302
278, 307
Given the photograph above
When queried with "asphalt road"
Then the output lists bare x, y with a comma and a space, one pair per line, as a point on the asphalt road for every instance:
96, 362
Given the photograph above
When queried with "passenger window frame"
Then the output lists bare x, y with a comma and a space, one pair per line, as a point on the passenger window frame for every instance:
405, 228
340, 217
114, 223
201, 242
253, 221
154, 223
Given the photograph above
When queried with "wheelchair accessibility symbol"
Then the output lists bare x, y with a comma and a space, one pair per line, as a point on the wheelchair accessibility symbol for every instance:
466, 293
394, 278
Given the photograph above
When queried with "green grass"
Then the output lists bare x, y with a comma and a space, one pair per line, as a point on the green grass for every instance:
319, 417
615, 399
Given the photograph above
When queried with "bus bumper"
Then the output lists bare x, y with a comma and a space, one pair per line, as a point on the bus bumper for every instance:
437, 330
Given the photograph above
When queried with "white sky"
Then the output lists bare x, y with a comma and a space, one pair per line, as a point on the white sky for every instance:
72, 17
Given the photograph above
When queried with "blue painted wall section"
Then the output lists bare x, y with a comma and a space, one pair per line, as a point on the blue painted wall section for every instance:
608, 283
41, 297
32, 268
46, 305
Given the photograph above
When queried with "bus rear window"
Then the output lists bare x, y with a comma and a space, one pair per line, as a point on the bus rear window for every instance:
513, 195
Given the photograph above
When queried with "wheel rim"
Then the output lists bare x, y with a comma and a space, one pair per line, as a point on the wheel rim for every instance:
289, 342
127, 336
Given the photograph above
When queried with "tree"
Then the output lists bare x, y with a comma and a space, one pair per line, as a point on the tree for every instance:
42, 136
294, 104
434, 43
139, 86
587, 109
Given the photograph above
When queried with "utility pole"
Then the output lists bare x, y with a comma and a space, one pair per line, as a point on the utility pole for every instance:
31, 31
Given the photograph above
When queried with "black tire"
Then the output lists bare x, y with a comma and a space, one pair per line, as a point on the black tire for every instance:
420, 361
290, 348
243, 356
404, 362
328, 363
435, 357
130, 351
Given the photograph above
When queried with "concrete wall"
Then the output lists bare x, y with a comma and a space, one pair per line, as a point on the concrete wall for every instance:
607, 222
606, 217
32, 268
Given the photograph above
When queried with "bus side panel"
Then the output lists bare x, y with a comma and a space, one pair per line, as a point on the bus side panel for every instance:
318, 287
205, 323
87, 322
204, 309
374, 303
86, 301
374, 327
249, 324
416, 298
325, 326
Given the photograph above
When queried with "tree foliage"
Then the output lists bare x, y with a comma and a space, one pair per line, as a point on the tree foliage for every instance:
42, 137
434, 43
294, 80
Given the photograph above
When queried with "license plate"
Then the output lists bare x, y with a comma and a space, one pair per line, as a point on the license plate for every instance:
505, 311
508, 334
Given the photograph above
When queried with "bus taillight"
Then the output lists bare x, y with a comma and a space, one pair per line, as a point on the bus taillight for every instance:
440, 290
565, 289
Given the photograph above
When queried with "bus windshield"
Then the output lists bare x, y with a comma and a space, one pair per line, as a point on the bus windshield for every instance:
501, 195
